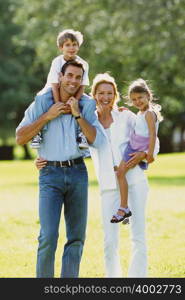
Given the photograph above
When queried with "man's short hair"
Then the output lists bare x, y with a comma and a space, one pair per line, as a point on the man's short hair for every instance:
74, 63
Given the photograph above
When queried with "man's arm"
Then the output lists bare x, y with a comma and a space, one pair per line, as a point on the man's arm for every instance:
25, 133
88, 130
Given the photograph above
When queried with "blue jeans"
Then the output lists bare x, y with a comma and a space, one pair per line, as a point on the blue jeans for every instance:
62, 186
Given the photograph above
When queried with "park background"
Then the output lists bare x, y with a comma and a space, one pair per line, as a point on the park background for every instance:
130, 39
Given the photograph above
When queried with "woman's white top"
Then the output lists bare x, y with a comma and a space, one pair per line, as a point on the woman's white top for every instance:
109, 153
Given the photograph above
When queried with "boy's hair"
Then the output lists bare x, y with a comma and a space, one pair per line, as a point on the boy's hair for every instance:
69, 34
74, 63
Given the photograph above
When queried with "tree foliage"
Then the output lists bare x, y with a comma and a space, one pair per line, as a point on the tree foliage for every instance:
129, 38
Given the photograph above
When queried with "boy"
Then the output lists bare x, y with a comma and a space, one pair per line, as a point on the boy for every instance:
68, 42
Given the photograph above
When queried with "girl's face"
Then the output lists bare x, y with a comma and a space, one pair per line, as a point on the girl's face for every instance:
140, 100
105, 95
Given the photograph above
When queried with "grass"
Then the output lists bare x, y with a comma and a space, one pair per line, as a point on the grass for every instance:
19, 224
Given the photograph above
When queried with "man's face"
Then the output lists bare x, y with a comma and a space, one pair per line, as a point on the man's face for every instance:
71, 80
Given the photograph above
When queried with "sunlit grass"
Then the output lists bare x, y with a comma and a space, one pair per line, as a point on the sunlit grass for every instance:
19, 224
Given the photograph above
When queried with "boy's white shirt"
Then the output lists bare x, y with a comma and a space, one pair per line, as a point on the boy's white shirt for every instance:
120, 131
56, 66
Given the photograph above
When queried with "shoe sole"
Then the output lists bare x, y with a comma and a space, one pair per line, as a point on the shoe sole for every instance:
126, 221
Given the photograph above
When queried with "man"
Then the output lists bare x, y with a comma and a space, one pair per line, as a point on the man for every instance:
64, 180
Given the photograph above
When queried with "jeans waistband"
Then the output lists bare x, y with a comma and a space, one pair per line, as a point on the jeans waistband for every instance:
66, 163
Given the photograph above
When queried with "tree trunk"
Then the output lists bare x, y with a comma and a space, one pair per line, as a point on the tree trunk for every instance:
26, 152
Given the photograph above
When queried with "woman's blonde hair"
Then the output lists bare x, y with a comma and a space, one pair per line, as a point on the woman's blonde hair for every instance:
105, 78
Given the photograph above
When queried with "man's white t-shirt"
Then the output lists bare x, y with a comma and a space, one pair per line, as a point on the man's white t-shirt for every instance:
55, 69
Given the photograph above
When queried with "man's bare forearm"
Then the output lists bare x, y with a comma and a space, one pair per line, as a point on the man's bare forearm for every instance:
88, 130
26, 133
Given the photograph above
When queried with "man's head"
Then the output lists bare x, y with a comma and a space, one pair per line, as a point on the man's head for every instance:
71, 77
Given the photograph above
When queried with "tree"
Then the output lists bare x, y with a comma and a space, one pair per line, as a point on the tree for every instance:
129, 38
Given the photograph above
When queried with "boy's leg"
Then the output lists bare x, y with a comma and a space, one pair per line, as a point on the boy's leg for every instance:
56, 92
37, 140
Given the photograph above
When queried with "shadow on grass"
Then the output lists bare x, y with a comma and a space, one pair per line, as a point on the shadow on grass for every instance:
168, 181
155, 180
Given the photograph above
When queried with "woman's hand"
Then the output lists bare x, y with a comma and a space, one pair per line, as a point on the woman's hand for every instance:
40, 163
136, 157
149, 158
122, 108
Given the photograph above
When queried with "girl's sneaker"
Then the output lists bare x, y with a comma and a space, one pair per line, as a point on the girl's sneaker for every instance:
122, 218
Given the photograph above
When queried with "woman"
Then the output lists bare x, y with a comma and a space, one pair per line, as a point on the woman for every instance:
117, 127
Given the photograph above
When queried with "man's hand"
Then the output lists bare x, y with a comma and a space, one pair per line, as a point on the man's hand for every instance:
136, 157
57, 109
74, 104
40, 163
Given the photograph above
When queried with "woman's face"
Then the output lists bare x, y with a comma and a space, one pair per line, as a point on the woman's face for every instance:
105, 95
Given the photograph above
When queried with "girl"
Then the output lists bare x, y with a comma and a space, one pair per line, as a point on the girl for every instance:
143, 138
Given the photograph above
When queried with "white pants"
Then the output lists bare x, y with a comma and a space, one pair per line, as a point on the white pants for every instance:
110, 200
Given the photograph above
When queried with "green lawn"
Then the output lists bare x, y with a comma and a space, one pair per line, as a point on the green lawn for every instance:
19, 224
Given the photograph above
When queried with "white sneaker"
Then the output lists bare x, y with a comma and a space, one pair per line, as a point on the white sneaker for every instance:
82, 142
36, 141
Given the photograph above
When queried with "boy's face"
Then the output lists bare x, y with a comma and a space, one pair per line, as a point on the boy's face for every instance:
69, 49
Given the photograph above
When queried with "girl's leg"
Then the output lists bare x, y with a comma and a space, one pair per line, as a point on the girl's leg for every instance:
123, 186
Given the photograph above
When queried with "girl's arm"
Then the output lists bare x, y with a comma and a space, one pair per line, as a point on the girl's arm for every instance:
151, 119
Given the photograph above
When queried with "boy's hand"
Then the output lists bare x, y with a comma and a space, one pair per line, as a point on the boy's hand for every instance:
57, 109
73, 102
